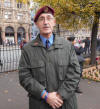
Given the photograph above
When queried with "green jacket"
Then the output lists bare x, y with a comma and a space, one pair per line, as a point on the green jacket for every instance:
53, 69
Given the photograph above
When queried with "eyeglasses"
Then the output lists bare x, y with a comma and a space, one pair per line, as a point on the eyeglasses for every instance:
42, 19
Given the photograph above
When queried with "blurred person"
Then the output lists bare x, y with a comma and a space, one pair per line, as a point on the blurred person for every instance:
87, 45
48, 68
98, 44
0, 57
79, 50
23, 42
1, 62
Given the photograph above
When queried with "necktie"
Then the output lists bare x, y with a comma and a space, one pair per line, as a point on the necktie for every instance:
47, 43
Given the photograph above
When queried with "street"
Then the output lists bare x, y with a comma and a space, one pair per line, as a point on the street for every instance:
13, 96
90, 99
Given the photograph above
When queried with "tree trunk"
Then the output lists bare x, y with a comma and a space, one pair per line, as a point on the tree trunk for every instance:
58, 29
94, 38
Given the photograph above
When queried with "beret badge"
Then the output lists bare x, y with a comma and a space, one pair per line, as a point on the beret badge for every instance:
46, 10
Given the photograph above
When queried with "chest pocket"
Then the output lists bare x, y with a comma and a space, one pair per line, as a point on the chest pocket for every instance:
62, 69
38, 70
62, 63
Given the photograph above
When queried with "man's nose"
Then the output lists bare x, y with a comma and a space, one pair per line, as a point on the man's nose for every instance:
45, 21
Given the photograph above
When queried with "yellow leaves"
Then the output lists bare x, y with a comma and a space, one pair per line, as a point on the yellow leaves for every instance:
89, 82
78, 9
92, 73
24, 1
9, 100
5, 91
62, 2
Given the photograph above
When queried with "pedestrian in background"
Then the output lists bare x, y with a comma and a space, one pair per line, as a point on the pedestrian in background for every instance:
48, 68
0, 57
1, 62
23, 42
87, 45
98, 44
79, 50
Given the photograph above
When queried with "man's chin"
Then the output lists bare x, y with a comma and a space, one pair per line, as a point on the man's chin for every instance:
46, 33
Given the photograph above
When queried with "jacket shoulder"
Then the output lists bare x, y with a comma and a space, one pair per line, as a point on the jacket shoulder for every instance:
64, 41
28, 45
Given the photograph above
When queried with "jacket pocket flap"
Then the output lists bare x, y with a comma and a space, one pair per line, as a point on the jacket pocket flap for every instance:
61, 66
62, 63
37, 64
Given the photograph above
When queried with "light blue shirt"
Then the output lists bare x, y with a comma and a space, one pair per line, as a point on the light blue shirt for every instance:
51, 39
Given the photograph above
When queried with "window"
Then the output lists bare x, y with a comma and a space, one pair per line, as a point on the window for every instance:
0, 4
7, 3
8, 15
0, 13
19, 5
19, 16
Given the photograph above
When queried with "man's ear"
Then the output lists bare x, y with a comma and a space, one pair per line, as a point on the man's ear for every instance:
54, 22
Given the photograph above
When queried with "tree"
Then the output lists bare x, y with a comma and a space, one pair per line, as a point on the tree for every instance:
94, 37
77, 14
24, 1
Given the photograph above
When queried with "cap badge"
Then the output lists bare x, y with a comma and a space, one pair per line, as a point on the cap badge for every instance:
46, 10
36, 43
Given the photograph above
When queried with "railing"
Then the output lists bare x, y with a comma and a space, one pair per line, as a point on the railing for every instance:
9, 57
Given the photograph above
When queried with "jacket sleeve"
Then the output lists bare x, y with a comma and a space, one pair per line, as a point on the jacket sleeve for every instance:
72, 76
26, 80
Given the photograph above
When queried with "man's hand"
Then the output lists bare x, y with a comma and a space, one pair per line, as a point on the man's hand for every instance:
59, 96
54, 100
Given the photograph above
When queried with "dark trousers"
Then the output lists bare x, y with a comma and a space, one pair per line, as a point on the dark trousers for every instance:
86, 50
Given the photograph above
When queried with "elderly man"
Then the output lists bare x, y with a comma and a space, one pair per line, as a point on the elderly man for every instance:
48, 68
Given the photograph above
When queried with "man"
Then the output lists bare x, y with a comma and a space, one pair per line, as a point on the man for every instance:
48, 69
79, 50
1, 62
23, 42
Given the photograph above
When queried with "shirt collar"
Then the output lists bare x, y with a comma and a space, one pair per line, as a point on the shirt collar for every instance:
57, 41
51, 39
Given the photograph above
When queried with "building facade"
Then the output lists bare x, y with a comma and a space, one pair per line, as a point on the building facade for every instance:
15, 21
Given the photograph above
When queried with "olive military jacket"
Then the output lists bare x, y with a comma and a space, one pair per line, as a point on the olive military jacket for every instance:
54, 69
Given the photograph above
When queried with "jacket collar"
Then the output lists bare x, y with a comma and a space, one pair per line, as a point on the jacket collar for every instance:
37, 41
58, 43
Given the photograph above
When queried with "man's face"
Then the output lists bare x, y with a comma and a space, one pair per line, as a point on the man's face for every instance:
46, 23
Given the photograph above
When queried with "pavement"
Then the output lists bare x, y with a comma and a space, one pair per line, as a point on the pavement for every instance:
90, 98
13, 96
